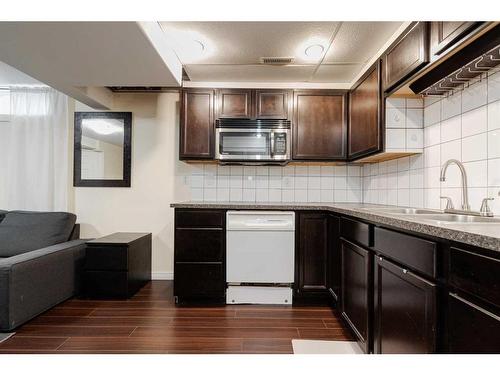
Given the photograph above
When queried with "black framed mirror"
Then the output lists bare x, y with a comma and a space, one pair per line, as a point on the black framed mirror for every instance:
102, 149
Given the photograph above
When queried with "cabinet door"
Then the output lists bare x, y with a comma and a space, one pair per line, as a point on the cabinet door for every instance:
234, 103
407, 55
197, 125
199, 280
272, 104
334, 258
471, 328
357, 296
366, 114
404, 311
313, 249
444, 34
319, 125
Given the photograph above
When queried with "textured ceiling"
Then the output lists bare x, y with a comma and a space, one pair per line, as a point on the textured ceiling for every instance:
233, 49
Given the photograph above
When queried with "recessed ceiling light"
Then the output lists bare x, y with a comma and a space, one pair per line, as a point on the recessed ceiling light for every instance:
314, 51
190, 46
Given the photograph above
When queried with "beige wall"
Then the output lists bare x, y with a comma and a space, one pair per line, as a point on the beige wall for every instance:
158, 179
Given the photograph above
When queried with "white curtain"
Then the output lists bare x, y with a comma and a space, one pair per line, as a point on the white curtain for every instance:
34, 151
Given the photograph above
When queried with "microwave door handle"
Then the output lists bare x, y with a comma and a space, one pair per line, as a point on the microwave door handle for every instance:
272, 144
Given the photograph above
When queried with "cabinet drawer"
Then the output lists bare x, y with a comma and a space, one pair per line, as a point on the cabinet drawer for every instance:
106, 258
199, 280
414, 252
199, 218
472, 329
356, 231
476, 274
199, 245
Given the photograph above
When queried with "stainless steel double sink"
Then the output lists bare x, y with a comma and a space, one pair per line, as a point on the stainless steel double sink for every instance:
437, 217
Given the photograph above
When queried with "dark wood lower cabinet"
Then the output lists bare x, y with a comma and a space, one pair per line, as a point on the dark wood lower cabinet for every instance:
398, 292
357, 296
312, 254
404, 311
199, 280
471, 328
334, 258
199, 256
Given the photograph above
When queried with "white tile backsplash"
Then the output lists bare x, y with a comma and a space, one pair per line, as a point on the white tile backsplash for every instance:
475, 121
395, 139
494, 87
451, 129
474, 96
493, 143
299, 183
451, 106
464, 126
474, 148
494, 115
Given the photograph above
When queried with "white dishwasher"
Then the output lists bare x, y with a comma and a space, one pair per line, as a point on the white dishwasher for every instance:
260, 256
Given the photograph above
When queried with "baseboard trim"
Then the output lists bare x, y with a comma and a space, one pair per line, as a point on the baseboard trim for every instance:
162, 276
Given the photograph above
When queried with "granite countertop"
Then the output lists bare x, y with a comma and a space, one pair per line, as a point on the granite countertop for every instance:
486, 235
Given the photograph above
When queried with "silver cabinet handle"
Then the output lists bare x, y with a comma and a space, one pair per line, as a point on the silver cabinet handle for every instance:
474, 306
405, 271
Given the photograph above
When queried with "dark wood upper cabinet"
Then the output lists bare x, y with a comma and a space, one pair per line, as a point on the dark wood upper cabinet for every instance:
357, 296
406, 56
272, 104
234, 103
366, 114
197, 124
444, 34
312, 253
319, 125
404, 311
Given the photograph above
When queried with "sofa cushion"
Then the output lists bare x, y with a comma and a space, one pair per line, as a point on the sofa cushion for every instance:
23, 231
2, 214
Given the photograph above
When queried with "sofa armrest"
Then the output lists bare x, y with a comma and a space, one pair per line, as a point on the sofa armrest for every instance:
33, 282
7, 263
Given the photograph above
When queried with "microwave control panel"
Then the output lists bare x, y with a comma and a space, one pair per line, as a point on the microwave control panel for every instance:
279, 144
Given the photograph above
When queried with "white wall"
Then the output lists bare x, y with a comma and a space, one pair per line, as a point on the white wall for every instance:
158, 179
465, 126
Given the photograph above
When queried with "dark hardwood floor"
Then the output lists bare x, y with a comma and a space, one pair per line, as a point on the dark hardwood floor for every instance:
151, 323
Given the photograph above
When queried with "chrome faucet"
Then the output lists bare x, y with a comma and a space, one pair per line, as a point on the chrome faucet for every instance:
465, 194
485, 209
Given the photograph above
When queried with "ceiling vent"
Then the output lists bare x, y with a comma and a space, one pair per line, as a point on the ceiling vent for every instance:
277, 60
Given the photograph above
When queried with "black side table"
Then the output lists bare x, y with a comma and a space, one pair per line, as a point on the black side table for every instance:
118, 265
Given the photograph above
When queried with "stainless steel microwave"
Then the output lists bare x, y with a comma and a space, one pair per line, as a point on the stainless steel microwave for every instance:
252, 141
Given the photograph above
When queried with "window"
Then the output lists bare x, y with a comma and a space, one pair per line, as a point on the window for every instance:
4, 104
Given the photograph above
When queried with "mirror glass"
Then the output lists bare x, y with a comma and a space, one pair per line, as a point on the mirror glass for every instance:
102, 145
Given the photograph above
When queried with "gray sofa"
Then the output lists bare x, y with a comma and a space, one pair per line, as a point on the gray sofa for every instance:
40, 263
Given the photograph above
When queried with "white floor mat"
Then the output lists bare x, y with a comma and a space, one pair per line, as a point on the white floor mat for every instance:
325, 347
5, 336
